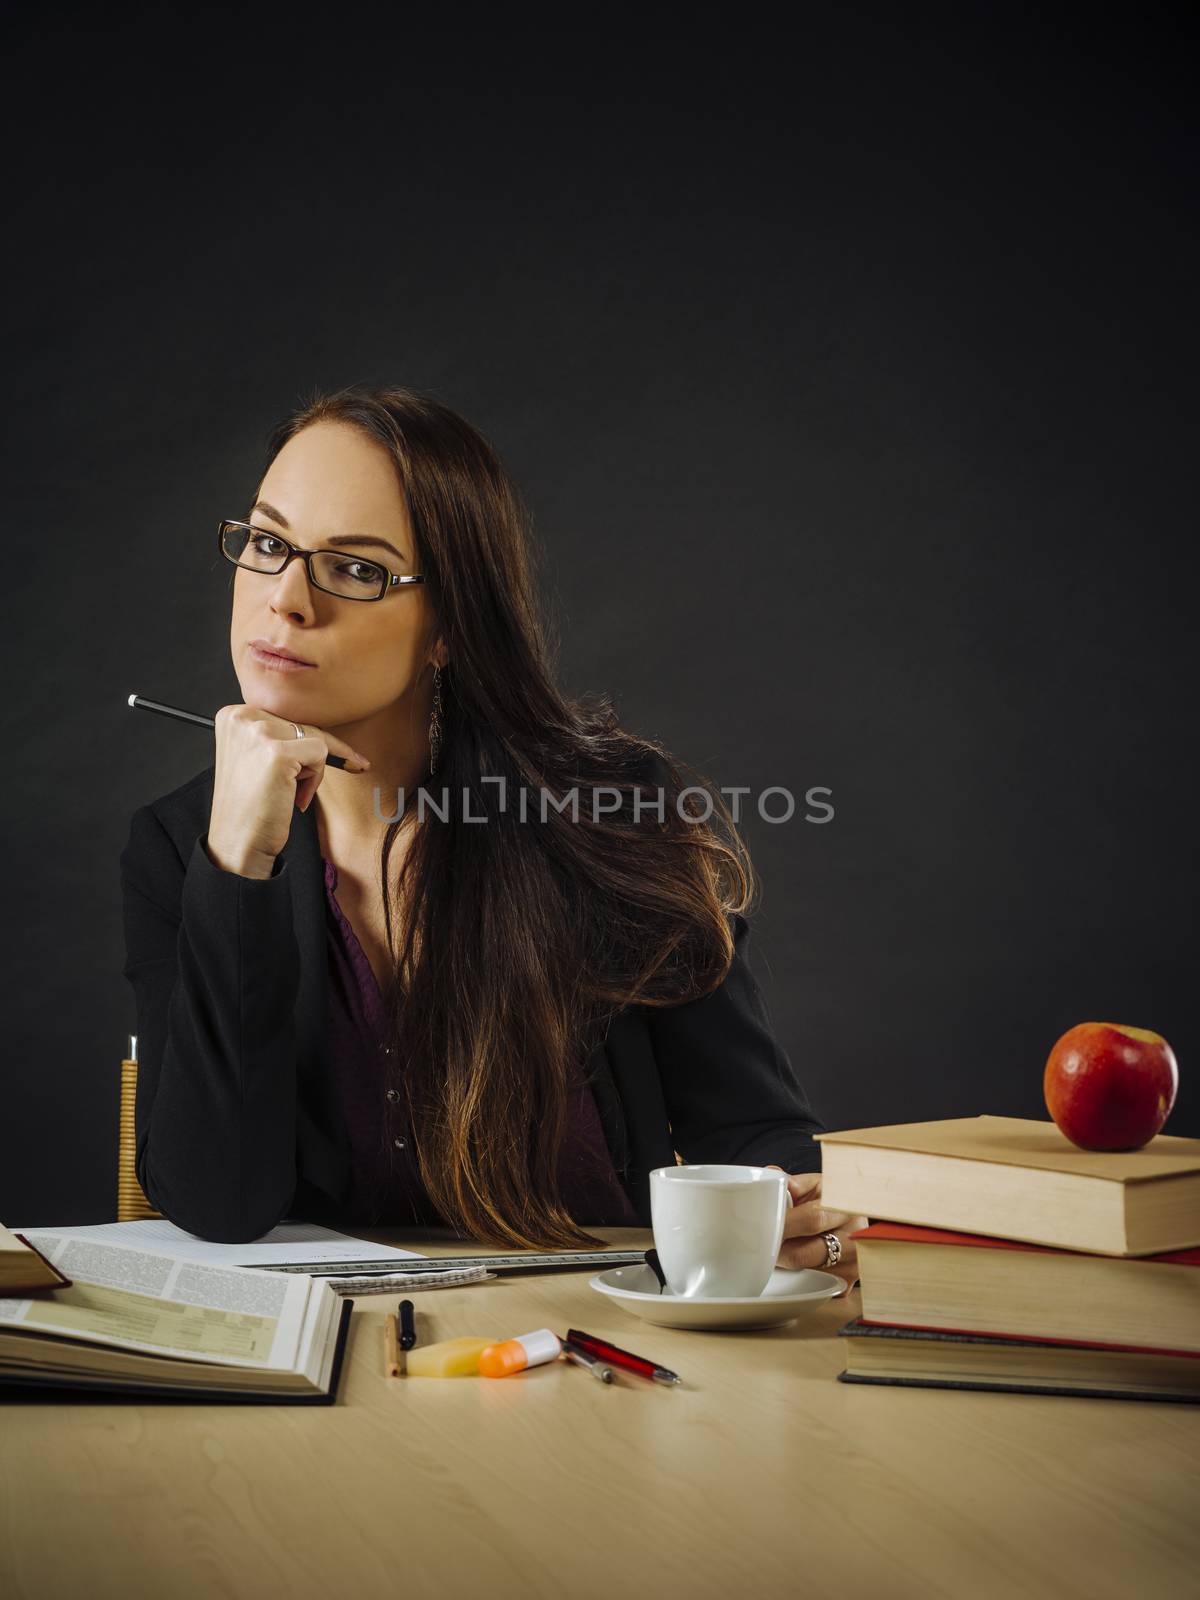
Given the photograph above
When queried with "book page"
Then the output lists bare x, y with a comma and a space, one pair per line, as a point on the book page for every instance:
288, 1242
138, 1300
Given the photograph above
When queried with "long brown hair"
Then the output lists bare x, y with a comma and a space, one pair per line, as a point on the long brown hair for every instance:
524, 938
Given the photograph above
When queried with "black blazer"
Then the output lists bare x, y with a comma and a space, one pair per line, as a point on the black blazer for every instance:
238, 1121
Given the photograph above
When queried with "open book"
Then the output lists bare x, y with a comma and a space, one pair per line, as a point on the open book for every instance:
140, 1322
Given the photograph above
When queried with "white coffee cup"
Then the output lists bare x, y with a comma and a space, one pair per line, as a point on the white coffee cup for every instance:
717, 1228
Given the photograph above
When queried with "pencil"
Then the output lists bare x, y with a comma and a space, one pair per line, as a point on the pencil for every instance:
140, 703
391, 1349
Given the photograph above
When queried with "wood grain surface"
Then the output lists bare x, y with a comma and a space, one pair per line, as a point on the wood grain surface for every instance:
760, 1472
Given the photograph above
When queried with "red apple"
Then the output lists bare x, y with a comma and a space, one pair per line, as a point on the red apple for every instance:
1110, 1087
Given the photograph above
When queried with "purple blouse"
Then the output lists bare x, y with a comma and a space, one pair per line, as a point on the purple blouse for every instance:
386, 1186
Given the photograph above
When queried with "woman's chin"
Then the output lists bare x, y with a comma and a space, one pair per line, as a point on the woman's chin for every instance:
264, 690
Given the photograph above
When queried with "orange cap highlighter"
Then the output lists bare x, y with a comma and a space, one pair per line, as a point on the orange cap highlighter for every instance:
514, 1355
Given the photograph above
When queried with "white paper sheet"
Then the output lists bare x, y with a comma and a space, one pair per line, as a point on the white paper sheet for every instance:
290, 1241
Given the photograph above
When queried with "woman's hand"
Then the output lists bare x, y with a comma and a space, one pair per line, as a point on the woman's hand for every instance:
807, 1220
263, 772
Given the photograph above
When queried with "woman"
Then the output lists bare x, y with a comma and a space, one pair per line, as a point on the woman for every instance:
498, 1015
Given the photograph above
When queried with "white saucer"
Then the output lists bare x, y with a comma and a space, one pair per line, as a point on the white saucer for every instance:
787, 1293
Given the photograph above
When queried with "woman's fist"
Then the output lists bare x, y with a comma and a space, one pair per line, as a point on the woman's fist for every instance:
263, 772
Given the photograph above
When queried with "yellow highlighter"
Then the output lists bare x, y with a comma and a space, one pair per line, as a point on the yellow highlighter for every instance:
449, 1358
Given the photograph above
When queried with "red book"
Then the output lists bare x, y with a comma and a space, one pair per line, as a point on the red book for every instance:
941, 1280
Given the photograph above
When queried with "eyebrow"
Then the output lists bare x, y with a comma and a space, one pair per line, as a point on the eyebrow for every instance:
337, 539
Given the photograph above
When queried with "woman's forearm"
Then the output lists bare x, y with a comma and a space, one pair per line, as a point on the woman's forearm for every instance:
216, 991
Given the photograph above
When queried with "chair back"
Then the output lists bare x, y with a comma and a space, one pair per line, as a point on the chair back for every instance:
132, 1204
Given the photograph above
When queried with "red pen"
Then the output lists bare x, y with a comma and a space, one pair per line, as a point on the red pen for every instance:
624, 1359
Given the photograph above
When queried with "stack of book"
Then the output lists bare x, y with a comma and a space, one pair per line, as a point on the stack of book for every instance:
1002, 1256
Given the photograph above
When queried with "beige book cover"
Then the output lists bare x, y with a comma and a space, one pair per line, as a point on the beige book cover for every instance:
22, 1268
1026, 1142
1018, 1178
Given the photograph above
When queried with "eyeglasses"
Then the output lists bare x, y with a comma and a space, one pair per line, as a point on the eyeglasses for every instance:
349, 577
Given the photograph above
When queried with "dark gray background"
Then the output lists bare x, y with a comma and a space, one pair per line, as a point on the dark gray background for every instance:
850, 380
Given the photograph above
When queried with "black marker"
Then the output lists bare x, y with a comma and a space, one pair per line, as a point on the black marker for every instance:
140, 703
408, 1332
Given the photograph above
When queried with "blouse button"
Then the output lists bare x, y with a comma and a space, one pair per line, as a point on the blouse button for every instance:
401, 1144
393, 1095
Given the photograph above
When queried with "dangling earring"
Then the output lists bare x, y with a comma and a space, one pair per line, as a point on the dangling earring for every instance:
435, 721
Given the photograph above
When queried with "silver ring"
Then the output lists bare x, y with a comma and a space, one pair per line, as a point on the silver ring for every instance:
300, 733
833, 1250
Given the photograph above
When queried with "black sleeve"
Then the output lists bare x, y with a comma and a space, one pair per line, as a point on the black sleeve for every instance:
731, 1092
214, 966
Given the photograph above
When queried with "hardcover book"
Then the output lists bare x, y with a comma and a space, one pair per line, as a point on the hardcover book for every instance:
1018, 1178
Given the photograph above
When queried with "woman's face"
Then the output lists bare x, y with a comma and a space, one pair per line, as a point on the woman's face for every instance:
331, 481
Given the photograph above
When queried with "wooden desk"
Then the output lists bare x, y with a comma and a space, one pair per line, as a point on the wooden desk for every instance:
760, 1474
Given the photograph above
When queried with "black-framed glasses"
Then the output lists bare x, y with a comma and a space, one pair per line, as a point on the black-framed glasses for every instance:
337, 572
